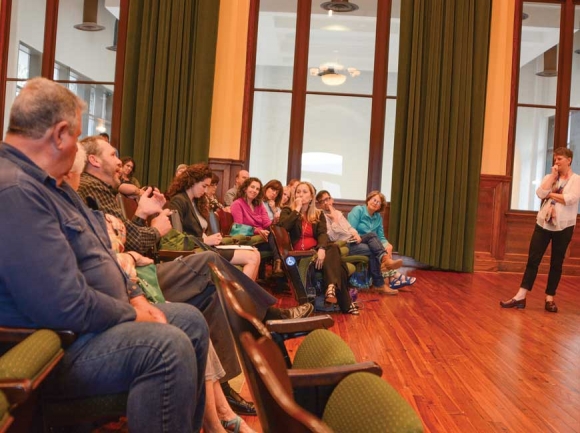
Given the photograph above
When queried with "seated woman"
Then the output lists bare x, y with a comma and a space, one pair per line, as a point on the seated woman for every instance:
130, 186
187, 197
248, 208
272, 197
285, 201
214, 203
368, 219
307, 228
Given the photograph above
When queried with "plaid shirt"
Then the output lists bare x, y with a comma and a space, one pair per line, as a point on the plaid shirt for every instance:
140, 238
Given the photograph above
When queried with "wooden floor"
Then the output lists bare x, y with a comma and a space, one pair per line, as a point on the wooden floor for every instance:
465, 364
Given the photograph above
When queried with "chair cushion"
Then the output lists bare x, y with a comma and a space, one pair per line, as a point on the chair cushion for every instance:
365, 402
3, 409
322, 348
28, 358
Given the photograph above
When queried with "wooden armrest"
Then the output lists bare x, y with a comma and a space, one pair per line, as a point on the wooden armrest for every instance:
306, 324
307, 253
16, 335
167, 255
307, 378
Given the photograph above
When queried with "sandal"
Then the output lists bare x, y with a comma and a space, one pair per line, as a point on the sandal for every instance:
330, 295
402, 281
353, 309
232, 425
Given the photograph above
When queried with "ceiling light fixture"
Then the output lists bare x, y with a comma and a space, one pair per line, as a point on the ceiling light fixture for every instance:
339, 6
331, 73
550, 63
90, 10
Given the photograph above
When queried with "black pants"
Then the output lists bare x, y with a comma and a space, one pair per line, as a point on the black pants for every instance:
538, 244
335, 273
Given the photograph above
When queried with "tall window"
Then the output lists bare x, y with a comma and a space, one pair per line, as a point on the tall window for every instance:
548, 96
82, 55
321, 96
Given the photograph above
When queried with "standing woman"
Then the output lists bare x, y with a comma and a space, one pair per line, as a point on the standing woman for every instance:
307, 228
555, 222
368, 219
187, 196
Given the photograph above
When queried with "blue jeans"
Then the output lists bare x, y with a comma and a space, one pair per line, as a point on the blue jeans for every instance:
371, 247
162, 367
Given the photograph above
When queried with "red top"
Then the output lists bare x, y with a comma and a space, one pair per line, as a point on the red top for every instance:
306, 241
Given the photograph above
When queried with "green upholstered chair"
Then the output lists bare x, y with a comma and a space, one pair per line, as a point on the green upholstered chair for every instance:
5, 417
33, 355
360, 402
23, 368
321, 360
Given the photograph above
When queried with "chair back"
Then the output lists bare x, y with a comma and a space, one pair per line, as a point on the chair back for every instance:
226, 220
293, 267
280, 413
128, 205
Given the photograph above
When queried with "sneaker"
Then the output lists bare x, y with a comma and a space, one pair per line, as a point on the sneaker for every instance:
304, 310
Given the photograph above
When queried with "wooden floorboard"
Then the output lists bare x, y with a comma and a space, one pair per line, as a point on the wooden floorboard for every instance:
465, 364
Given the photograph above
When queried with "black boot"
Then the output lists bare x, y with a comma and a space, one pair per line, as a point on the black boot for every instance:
237, 402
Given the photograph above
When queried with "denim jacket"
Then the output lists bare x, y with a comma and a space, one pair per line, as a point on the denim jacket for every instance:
56, 266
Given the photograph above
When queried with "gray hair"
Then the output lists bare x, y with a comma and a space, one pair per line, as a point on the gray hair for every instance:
80, 160
40, 105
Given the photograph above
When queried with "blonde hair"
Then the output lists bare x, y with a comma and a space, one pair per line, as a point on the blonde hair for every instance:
312, 214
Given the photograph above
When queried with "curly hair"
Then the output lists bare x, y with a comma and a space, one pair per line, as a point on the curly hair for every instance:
190, 176
371, 194
244, 187
276, 185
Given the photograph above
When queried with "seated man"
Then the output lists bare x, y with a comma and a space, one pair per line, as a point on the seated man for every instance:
101, 181
231, 193
186, 279
369, 244
58, 273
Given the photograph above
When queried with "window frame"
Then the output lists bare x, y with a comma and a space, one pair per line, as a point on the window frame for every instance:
562, 104
299, 90
49, 57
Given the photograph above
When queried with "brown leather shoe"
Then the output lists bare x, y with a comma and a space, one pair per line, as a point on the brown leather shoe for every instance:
551, 307
388, 264
512, 303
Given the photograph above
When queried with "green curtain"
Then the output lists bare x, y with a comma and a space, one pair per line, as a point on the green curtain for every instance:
168, 85
441, 93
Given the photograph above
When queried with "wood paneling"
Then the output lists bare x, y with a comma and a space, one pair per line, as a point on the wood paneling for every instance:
226, 169
503, 236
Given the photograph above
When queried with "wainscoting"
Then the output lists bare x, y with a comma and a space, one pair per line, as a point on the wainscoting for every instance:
503, 236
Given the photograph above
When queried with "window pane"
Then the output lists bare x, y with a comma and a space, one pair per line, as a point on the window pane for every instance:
575, 91
270, 135
574, 140
85, 51
335, 155
276, 41
26, 38
388, 144
99, 99
393, 65
342, 49
539, 50
532, 156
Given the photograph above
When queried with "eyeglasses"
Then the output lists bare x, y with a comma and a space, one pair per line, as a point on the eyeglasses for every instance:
324, 200
375, 201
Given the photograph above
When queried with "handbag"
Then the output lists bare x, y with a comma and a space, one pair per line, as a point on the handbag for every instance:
241, 229
147, 280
